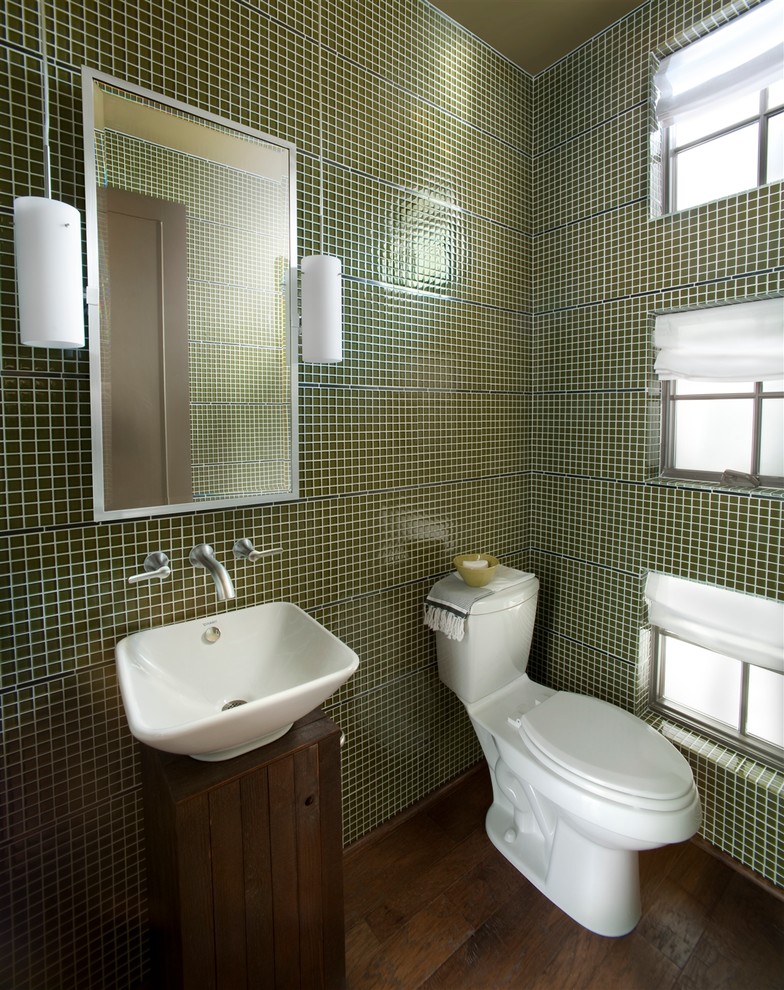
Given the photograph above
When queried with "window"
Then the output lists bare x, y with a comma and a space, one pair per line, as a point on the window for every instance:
720, 110
719, 662
722, 374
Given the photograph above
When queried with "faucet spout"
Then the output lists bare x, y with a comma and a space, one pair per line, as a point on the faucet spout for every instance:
204, 556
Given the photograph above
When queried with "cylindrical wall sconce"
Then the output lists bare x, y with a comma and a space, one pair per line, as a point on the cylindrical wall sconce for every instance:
48, 246
322, 309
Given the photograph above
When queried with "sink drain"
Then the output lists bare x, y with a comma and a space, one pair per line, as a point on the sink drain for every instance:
234, 704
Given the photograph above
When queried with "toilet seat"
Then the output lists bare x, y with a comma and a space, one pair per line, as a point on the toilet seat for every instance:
590, 740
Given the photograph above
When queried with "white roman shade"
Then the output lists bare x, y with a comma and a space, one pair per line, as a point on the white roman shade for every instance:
742, 57
733, 624
743, 342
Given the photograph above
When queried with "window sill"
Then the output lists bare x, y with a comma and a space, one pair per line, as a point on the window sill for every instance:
690, 484
762, 770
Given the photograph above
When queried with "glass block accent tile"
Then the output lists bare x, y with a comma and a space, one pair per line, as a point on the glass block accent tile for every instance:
416, 241
374, 127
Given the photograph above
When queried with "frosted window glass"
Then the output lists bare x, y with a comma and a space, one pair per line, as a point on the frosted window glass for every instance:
775, 170
690, 386
765, 715
718, 118
773, 386
772, 438
776, 95
714, 435
702, 680
717, 168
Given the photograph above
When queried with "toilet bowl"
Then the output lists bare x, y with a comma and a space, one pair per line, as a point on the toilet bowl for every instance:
579, 785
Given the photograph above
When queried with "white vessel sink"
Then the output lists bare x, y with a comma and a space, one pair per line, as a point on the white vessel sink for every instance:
179, 682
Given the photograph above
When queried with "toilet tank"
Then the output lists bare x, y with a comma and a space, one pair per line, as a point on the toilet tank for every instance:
497, 639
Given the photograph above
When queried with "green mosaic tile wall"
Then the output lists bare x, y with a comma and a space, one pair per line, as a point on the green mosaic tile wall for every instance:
496, 393
411, 450
600, 519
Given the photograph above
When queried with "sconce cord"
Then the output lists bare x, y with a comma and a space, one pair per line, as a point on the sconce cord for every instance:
45, 81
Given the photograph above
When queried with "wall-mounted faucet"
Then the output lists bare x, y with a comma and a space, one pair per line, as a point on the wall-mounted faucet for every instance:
244, 549
204, 556
156, 565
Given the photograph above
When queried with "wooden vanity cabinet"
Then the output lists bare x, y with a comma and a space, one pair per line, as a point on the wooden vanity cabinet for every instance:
245, 865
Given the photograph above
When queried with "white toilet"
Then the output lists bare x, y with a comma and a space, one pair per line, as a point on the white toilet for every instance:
579, 785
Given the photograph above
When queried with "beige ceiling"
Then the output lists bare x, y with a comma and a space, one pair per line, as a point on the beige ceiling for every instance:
535, 33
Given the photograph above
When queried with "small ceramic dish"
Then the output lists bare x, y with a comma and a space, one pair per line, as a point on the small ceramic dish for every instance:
473, 571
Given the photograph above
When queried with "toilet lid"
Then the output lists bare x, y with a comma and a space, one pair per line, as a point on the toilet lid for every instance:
606, 745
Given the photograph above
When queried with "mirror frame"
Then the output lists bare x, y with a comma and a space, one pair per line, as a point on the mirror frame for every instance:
89, 78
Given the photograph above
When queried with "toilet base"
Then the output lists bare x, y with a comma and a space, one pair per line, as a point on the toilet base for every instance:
597, 886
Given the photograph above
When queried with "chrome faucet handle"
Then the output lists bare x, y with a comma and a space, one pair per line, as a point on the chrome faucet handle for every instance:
156, 565
244, 549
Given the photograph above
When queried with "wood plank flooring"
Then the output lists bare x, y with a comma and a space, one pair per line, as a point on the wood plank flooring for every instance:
431, 903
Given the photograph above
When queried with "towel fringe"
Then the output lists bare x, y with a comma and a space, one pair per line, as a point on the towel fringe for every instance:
444, 621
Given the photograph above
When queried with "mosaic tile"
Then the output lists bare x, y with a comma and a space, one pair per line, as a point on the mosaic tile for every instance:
611, 73
415, 241
595, 434
74, 895
385, 440
623, 253
614, 339
638, 527
743, 800
567, 665
501, 268
602, 168
398, 339
598, 608
402, 740
418, 48
45, 451
372, 127
65, 741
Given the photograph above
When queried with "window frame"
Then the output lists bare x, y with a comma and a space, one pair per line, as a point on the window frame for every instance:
670, 153
738, 739
670, 400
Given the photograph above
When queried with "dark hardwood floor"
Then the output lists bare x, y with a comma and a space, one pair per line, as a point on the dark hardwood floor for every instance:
431, 903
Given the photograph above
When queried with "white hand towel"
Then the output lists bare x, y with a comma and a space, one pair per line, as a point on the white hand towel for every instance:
448, 604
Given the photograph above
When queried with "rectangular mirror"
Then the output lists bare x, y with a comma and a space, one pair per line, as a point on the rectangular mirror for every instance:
191, 263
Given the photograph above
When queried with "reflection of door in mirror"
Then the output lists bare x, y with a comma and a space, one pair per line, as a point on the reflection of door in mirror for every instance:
147, 456
191, 241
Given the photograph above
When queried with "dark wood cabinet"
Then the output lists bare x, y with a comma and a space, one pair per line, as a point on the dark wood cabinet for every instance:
245, 865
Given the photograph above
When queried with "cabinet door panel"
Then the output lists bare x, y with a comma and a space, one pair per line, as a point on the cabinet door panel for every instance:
308, 813
197, 930
334, 928
283, 854
228, 885
259, 929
